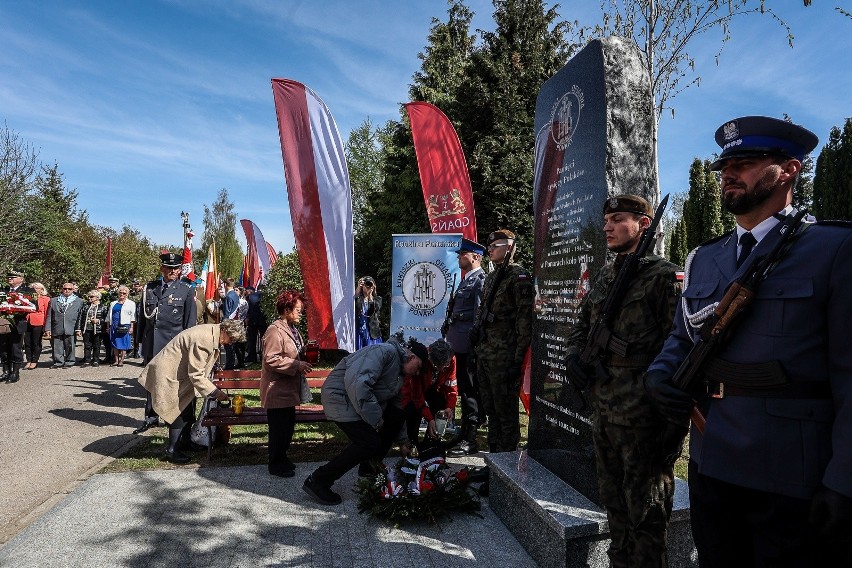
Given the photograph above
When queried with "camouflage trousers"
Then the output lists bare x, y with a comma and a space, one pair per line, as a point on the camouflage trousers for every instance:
499, 397
637, 492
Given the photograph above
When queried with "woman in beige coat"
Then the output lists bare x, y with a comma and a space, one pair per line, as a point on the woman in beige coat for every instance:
181, 369
281, 379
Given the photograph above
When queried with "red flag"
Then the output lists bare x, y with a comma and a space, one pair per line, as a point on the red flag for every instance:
187, 270
273, 256
320, 209
443, 171
107, 271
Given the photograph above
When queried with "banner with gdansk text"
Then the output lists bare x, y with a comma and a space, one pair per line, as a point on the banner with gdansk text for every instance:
320, 210
443, 171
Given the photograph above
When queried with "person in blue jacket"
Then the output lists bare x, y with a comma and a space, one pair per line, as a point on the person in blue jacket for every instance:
770, 478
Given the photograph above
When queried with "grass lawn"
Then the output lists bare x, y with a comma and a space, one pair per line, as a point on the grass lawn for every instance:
312, 442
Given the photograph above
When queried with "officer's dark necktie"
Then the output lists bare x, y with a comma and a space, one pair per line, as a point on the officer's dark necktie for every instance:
747, 242
163, 291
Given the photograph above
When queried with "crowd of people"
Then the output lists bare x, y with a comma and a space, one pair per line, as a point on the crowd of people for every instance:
770, 471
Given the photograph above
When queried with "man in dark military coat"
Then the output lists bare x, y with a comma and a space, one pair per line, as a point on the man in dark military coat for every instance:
636, 488
13, 347
770, 478
168, 307
467, 298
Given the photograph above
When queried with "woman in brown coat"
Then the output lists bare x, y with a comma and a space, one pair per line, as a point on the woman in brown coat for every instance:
181, 369
281, 379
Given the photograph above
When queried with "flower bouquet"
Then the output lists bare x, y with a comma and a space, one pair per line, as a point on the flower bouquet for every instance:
15, 303
413, 490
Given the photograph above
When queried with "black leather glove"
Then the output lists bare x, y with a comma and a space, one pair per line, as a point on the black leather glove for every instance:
577, 375
673, 403
831, 514
514, 376
473, 335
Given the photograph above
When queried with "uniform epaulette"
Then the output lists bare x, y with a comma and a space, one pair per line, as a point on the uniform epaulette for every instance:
836, 223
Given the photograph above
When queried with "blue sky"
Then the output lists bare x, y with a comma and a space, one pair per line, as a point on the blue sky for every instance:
149, 107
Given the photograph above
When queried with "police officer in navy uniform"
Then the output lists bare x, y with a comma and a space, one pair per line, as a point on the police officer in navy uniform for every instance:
13, 346
168, 307
467, 298
770, 479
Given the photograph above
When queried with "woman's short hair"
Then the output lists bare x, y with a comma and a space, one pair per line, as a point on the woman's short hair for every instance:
440, 354
287, 299
235, 330
94, 293
123, 288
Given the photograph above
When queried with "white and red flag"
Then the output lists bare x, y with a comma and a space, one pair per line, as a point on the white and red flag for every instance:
107, 271
257, 263
210, 274
443, 171
187, 270
321, 211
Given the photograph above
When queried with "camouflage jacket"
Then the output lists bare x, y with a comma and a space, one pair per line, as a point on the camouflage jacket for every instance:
644, 321
508, 326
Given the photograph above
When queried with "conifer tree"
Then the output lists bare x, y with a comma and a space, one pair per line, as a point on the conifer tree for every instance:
832, 193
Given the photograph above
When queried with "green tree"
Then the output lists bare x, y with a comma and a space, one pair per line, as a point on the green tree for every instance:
702, 210
366, 175
220, 225
832, 185
19, 166
285, 274
497, 109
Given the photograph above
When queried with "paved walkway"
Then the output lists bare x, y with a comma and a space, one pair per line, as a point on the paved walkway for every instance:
59, 428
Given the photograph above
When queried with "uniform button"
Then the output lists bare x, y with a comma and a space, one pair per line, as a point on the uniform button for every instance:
779, 292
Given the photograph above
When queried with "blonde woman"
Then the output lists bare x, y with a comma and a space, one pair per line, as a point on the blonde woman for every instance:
122, 319
35, 326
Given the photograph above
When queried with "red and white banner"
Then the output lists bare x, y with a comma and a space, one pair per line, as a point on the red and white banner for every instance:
321, 211
443, 171
273, 256
187, 270
107, 271
211, 275
257, 263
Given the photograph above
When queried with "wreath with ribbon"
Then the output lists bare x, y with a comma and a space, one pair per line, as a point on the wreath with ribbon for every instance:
15, 303
414, 490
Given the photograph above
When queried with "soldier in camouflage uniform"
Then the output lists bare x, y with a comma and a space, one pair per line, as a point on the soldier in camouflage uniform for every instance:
635, 487
504, 324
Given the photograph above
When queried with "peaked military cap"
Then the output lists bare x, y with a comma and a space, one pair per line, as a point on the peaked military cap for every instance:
500, 234
760, 136
171, 259
113, 279
418, 350
471, 246
15, 274
628, 204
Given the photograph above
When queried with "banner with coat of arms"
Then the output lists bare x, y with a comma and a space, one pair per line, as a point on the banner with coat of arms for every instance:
424, 267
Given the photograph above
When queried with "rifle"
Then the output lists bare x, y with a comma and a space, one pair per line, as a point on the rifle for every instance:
579, 370
484, 311
716, 330
451, 303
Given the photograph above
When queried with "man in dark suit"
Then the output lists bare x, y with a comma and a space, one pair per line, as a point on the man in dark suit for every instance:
62, 315
256, 323
770, 478
13, 352
467, 298
168, 307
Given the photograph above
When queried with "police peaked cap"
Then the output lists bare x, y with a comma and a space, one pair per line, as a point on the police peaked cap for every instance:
171, 259
501, 234
761, 136
15, 274
628, 204
468, 245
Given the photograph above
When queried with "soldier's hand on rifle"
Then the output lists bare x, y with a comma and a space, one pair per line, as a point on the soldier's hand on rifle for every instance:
673, 403
831, 514
576, 373
514, 376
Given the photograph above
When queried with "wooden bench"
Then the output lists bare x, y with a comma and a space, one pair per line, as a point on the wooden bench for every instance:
250, 379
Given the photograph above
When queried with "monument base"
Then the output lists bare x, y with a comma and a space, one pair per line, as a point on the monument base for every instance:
558, 526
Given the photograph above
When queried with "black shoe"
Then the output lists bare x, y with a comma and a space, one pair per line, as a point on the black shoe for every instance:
479, 474
176, 457
95, 364
321, 493
464, 448
282, 471
149, 422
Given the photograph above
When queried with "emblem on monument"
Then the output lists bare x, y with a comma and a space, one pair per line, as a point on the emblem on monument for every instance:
565, 117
